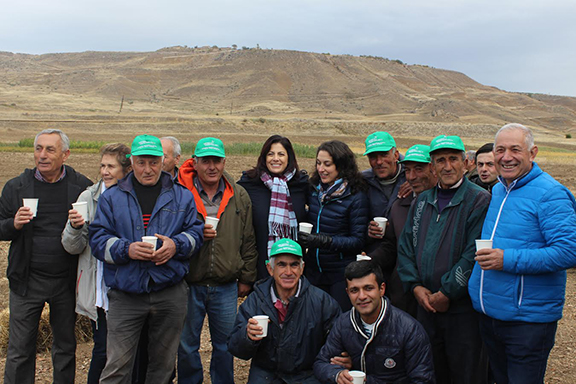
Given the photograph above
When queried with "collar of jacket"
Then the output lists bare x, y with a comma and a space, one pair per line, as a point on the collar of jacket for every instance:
522, 180
458, 197
356, 320
186, 176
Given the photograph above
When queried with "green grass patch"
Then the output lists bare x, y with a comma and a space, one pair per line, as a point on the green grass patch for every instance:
234, 149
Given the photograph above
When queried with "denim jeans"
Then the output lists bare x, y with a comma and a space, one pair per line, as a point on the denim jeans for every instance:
518, 350
165, 312
220, 303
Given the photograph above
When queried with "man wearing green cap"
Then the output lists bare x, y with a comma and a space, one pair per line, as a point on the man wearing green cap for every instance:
386, 181
146, 281
225, 268
300, 317
420, 176
436, 254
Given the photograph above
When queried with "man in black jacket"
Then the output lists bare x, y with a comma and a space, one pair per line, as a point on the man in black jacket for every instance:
39, 269
301, 316
382, 341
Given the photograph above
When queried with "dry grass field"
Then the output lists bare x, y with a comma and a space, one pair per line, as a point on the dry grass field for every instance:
557, 157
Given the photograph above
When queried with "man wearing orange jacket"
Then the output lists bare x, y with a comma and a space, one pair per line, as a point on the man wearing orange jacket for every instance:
225, 268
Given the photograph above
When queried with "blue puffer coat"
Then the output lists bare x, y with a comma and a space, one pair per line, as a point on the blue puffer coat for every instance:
118, 223
533, 221
345, 219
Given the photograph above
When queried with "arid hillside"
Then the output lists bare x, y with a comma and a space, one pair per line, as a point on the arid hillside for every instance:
186, 82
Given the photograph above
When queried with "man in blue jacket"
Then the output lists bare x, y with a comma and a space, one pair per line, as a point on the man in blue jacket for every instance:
518, 286
382, 341
146, 282
301, 316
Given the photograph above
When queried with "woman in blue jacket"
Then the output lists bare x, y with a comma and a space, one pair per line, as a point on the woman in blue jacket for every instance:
338, 210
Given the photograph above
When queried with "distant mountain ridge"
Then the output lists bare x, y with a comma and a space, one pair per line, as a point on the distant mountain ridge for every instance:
256, 82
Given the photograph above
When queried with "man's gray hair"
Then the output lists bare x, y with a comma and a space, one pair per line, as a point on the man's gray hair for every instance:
63, 138
177, 149
273, 259
528, 136
471, 155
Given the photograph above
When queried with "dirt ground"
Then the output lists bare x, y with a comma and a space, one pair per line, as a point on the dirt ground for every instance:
561, 367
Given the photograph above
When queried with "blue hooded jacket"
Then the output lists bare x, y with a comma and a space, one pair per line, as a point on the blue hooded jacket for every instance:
533, 220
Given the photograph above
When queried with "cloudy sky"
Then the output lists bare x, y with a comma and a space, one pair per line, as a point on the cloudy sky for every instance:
515, 45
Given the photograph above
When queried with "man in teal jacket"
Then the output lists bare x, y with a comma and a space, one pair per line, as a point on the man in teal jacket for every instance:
519, 284
435, 259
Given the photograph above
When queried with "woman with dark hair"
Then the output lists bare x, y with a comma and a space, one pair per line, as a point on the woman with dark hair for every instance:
338, 210
278, 190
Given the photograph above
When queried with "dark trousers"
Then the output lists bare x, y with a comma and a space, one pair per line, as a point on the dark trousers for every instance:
518, 350
458, 352
165, 312
99, 329
25, 314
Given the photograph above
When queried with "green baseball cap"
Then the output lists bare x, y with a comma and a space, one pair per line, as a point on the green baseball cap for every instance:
447, 142
209, 146
419, 153
379, 142
286, 246
146, 145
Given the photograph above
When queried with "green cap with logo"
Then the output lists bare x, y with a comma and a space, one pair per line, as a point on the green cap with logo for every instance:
447, 142
286, 246
379, 142
146, 145
418, 153
209, 146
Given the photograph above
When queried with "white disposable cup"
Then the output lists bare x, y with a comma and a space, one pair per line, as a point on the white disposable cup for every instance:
381, 222
483, 244
305, 227
82, 208
263, 322
362, 257
151, 240
31, 203
213, 221
358, 377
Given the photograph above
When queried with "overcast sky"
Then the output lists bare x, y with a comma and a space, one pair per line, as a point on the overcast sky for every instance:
517, 45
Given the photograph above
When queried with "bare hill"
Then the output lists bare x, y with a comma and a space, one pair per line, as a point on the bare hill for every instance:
185, 82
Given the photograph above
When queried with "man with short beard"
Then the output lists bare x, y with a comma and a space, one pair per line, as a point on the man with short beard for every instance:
435, 258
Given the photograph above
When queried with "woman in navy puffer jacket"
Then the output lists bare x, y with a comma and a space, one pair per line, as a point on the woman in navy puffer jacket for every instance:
338, 210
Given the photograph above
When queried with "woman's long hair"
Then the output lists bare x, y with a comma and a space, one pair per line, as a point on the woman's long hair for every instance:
261, 164
345, 162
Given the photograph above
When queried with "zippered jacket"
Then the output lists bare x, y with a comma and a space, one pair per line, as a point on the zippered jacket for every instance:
232, 254
20, 252
398, 350
436, 250
293, 347
75, 242
533, 220
118, 223
345, 219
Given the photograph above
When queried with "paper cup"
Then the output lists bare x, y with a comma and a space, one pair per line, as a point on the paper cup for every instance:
82, 208
151, 240
31, 203
483, 244
362, 257
263, 322
358, 377
213, 221
305, 227
381, 222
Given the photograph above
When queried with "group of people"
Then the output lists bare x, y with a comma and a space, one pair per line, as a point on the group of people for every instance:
425, 306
